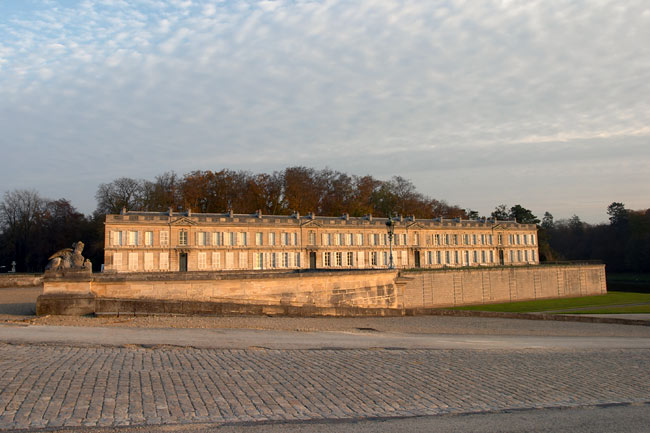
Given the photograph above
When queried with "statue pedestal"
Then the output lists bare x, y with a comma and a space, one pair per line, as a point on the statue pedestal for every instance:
66, 292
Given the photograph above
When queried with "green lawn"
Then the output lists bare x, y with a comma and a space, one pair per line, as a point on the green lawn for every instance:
634, 309
612, 298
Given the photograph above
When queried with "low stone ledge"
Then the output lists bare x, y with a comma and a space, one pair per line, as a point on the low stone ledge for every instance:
20, 280
65, 304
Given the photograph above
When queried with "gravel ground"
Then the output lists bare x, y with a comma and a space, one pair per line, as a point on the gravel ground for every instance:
17, 306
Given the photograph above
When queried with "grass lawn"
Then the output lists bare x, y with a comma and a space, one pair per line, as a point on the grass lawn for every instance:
612, 298
633, 309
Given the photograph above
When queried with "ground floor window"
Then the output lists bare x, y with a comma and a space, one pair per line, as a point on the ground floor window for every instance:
202, 259
163, 261
117, 261
133, 261
148, 261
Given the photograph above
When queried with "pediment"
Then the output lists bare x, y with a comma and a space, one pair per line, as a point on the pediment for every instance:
312, 223
415, 225
183, 221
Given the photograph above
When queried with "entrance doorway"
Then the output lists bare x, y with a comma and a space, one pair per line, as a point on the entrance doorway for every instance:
182, 262
312, 260
417, 259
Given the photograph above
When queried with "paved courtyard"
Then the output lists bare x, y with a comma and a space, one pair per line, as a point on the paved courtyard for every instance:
55, 385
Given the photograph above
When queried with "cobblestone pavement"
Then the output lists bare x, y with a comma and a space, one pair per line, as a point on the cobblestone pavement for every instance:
49, 386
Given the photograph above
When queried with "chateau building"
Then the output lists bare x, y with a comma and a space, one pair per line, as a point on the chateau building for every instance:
186, 241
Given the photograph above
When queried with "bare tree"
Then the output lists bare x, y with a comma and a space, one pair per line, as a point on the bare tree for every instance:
124, 192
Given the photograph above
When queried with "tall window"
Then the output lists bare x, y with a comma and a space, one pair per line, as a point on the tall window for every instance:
349, 259
312, 237
148, 261
339, 258
117, 261
373, 258
148, 238
216, 239
133, 261
271, 238
202, 261
359, 239
259, 239
216, 260
117, 238
133, 237
201, 238
327, 260
243, 260
163, 261
182, 237
230, 260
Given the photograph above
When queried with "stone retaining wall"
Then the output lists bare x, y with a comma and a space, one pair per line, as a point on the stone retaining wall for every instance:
20, 280
316, 293
354, 289
455, 287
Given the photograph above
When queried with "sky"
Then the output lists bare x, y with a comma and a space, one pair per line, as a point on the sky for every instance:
542, 103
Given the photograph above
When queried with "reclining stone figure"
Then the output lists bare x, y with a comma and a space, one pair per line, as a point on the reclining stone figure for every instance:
69, 258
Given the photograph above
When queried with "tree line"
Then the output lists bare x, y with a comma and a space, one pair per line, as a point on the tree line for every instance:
623, 244
295, 189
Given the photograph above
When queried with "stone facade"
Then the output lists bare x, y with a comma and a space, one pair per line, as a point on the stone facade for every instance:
169, 241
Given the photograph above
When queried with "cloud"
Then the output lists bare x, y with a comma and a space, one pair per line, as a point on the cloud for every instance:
393, 87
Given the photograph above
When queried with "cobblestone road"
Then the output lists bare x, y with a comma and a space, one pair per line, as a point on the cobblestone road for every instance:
46, 386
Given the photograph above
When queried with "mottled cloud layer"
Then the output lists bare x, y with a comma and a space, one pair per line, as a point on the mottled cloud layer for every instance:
543, 103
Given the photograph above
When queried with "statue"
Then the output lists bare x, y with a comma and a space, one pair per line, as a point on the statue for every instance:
69, 258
